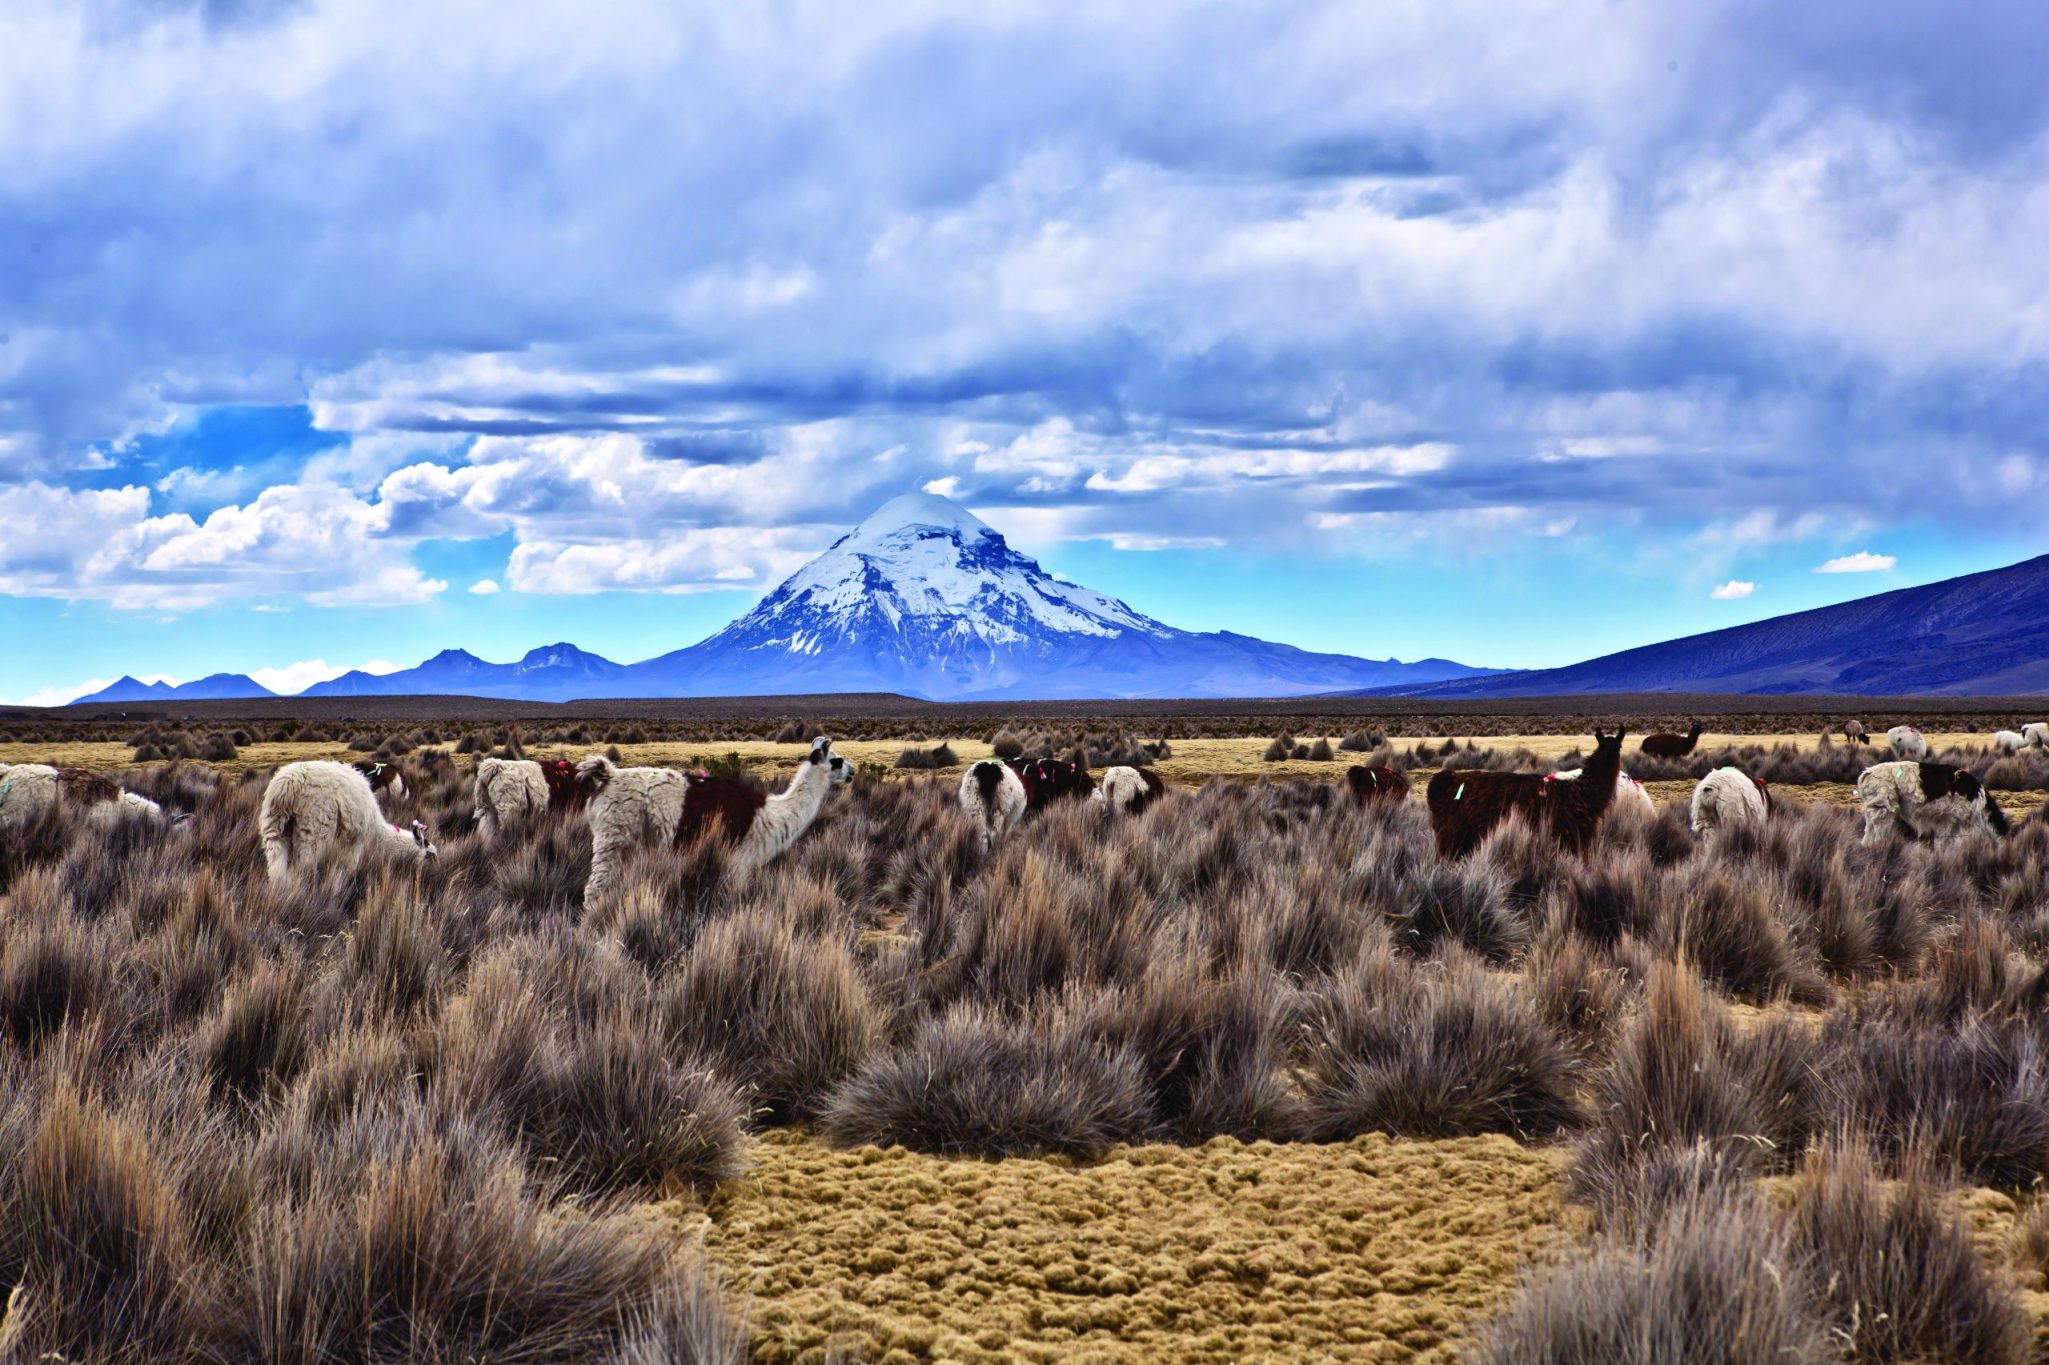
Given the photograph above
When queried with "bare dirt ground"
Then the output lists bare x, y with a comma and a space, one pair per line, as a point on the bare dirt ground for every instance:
1376, 1249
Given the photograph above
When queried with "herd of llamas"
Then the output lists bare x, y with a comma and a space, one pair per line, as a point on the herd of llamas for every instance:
312, 806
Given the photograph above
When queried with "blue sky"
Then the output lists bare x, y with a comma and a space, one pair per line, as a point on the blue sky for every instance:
337, 332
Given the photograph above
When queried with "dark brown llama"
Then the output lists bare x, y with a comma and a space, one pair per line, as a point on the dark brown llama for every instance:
1665, 744
1466, 804
1376, 785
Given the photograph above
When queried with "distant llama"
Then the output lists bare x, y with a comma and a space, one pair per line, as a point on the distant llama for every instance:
1466, 804
2006, 742
993, 797
1665, 744
1853, 730
313, 805
2035, 736
757, 826
1925, 800
1727, 798
1128, 791
1907, 743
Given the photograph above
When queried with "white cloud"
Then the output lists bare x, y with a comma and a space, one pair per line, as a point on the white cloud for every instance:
484, 587
291, 679
1124, 540
1735, 590
946, 488
1861, 562
319, 543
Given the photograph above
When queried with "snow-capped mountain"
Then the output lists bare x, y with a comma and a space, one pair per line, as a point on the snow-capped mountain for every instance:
924, 598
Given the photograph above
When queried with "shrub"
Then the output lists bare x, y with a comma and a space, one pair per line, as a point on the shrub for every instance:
1279, 750
939, 756
971, 1083
1006, 745
1320, 752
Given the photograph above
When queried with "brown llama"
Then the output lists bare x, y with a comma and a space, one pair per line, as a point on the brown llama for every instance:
1665, 744
1377, 785
1047, 780
1466, 804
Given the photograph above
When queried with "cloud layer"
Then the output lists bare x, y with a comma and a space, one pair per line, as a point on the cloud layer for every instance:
665, 295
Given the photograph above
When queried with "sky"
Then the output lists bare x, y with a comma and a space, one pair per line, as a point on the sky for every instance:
334, 333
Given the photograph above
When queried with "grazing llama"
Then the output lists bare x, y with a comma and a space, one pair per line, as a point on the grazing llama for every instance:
1377, 784
310, 806
2006, 742
628, 806
1727, 798
1853, 730
1665, 744
1047, 780
993, 797
27, 790
1925, 799
1907, 742
1128, 791
759, 827
1466, 804
2035, 735
383, 776
511, 791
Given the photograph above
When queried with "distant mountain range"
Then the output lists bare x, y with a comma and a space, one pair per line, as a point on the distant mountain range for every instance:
922, 599
214, 688
1984, 634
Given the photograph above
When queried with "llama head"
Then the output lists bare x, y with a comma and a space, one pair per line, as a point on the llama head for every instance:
426, 846
569, 787
1693, 731
838, 771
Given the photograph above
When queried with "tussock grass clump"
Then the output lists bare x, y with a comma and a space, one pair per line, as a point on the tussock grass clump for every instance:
1894, 1268
786, 1016
938, 756
792, 732
1280, 750
972, 1083
1686, 1099
1449, 1053
1710, 1284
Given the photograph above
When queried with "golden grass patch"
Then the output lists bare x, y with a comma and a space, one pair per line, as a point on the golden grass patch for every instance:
1376, 1249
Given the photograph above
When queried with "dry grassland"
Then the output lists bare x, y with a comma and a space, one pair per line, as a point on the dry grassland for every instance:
1376, 1249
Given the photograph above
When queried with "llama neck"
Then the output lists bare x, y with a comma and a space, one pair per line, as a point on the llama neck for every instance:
796, 806
1603, 769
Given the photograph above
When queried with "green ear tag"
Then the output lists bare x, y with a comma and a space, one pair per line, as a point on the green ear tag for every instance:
1460, 794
